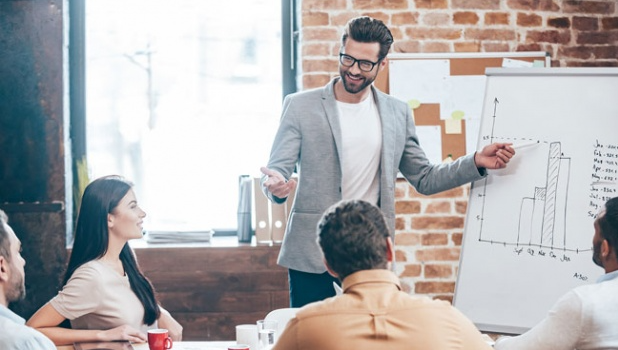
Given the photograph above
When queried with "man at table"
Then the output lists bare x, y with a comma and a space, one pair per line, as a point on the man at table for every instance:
585, 317
13, 333
373, 312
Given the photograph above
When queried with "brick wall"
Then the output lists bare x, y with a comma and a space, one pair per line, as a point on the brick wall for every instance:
429, 229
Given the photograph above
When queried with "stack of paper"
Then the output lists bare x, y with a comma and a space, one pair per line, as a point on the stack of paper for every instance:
179, 236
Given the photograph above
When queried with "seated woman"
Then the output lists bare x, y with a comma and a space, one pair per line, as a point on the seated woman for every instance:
105, 294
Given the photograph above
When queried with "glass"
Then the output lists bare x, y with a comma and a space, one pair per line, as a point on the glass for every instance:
267, 330
364, 65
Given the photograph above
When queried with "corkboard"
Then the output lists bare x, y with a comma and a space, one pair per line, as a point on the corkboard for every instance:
454, 145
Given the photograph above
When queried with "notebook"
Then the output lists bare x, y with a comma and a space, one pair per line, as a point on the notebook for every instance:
104, 345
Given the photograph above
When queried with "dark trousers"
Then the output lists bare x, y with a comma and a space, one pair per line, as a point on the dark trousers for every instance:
308, 287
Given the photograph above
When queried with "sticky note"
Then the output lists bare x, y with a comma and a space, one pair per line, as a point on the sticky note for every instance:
452, 126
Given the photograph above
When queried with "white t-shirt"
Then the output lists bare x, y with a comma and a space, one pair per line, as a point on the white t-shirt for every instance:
361, 135
97, 297
584, 318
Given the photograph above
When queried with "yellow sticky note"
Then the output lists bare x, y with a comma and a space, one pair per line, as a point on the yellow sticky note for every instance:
458, 115
452, 126
414, 104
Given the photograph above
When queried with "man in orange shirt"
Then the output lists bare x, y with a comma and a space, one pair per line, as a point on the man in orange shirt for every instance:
373, 312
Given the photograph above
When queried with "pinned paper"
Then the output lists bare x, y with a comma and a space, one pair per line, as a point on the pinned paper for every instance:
452, 126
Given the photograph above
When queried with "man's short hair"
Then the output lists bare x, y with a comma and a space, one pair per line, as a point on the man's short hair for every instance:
5, 243
352, 235
609, 223
368, 30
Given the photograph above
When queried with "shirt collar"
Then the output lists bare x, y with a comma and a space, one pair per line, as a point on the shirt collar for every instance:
370, 276
608, 276
6, 313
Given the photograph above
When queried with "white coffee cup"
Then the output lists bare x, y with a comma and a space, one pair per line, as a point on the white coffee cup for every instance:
247, 334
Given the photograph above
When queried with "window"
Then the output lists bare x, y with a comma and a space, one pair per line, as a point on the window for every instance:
182, 98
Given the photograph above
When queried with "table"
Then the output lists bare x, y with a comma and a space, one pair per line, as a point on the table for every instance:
181, 345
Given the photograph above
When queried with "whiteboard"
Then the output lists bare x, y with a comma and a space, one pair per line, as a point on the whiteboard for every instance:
529, 227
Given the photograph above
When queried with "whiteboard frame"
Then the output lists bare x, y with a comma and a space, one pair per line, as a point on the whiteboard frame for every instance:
449, 55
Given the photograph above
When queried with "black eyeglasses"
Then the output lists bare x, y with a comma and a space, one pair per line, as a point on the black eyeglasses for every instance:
364, 65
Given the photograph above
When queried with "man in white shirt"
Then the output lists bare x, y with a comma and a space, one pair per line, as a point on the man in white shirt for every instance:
587, 316
14, 334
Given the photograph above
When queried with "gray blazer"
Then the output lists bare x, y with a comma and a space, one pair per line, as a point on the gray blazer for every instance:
309, 140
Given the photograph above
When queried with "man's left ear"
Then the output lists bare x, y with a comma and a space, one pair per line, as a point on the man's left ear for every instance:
383, 63
4, 269
390, 249
605, 249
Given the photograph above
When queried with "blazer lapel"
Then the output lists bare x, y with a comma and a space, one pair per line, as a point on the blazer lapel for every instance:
388, 136
330, 107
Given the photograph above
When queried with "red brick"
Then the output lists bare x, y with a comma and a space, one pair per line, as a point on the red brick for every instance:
437, 254
559, 22
411, 270
472, 46
434, 287
316, 49
320, 34
490, 34
598, 63
431, 4
320, 65
312, 5
433, 33
461, 207
397, 33
438, 271
579, 52
549, 36
400, 223
407, 239
437, 223
605, 52
436, 46
492, 18
589, 6
602, 38
476, 4
436, 19
311, 81
533, 5
400, 256
528, 47
586, 23
610, 23
315, 19
400, 192
457, 238
408, 46
465, 17
496, 47
377, 15
341, 18
407, 207
404, 18
438, 207
529, 20
380, 4
434, 239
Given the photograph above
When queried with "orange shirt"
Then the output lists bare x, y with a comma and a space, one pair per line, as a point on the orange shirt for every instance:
373, 313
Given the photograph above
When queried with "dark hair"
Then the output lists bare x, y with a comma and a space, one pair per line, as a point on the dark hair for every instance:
353, 235
609, 223
369, 30
5, 249
100, 198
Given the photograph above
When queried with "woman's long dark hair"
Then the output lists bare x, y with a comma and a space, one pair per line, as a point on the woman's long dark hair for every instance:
91, 237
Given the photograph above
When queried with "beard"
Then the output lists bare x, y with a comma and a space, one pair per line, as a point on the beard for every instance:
17, 286
355, 87
596, 254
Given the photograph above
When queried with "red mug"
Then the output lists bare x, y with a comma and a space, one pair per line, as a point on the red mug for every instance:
159, 339
238, 347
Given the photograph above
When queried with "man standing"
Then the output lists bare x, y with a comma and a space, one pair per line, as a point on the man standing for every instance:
14, 335
373, 312
348, 141
587, 316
